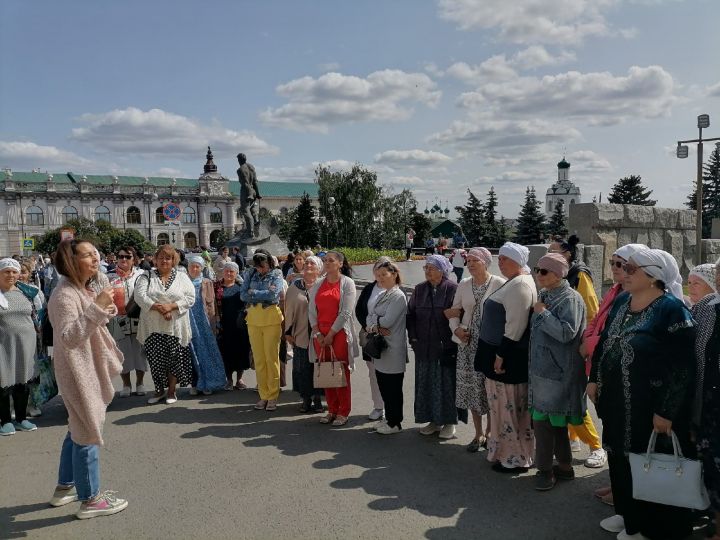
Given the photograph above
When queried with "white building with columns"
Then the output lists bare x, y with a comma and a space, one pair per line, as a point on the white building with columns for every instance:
33, 203
563, 191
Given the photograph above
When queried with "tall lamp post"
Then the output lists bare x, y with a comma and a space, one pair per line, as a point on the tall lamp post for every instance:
331, 201
703, 122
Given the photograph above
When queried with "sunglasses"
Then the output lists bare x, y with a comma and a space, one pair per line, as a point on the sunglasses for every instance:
126, 257
616, 264
630, 268
541, 271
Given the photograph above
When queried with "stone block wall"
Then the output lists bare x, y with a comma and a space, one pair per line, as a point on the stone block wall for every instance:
711, 250
592, 256
613, 225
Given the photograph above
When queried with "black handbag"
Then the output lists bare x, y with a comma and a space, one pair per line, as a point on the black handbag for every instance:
132, 309
375, 345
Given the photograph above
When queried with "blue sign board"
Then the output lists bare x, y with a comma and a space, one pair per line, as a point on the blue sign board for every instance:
171, 211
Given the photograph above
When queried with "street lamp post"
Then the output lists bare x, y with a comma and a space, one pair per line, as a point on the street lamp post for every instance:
703, 121
331, 201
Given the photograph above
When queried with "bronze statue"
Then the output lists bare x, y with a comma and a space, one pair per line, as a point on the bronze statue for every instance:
249, 197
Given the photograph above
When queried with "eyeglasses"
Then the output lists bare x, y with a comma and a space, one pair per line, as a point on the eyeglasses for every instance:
541, 271
429, 267
630, 268
616, 264
126, 257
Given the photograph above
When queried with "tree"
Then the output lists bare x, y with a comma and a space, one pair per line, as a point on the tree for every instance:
711, 193
558, 224
393, 218
473, 219
220, 239
422, 226
531, 221
629, 190
351, 218
495, 232
305, 232
107, 238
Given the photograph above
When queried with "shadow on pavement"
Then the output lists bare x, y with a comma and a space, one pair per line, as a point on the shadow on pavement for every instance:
11, 528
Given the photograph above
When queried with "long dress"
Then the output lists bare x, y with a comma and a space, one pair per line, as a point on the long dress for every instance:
206, 357
233, 337
18, 340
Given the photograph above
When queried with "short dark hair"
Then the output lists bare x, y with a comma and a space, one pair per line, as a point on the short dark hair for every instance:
262, 256
131, 250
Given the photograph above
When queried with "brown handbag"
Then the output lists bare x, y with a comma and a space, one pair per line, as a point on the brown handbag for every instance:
329, 373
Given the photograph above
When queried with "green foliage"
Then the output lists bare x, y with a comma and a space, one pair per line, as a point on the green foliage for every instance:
473, 219
220, 239
531, 221
369, 255
299, 227
495, 231
557, 224
711, 193
106, 237
629, 190
394, 215
422, 226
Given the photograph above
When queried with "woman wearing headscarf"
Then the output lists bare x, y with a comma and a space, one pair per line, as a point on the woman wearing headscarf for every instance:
43, 382
297, 334
366, 301
18, 346
502, 356
233, 338
261, 289
594, 329
435, 352
580, 278
642, 380
208, 370
330, 312
465, 318
557, 374
701, 282
706, 406
164, 331
123, 328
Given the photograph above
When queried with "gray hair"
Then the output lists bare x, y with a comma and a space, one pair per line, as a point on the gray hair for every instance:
382, 260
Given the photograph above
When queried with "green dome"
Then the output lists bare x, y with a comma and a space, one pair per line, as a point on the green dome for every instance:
563, 164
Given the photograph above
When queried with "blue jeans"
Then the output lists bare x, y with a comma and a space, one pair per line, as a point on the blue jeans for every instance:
80, 465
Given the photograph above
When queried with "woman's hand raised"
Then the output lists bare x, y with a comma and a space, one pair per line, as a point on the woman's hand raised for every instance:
104, 299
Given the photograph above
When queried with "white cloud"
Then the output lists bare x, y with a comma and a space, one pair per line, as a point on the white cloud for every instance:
329, 66
158, 132
714, 90
316, 104
433, 69
601, 98
29, 155
531, 21
587, 160
169, 172
537, 56
499, 135
412, 158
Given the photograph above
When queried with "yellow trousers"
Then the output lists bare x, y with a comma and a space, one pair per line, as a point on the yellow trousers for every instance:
586, 433
265, 344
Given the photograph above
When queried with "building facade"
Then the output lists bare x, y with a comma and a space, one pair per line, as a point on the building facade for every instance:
33, 203
563, 191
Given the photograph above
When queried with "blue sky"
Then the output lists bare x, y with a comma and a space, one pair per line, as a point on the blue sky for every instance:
437, 96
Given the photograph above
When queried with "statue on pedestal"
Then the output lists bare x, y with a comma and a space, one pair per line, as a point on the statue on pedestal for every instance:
249, 197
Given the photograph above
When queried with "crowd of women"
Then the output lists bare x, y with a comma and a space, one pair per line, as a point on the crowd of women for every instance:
518, 353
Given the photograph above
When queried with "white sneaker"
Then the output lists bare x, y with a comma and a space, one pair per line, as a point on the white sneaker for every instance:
193, 391
447, 432
376, 414
61, 497
622, 535
596, 459
575, 446
613, 524
126, 391
140, 390
430, 429
384, 429
170, 400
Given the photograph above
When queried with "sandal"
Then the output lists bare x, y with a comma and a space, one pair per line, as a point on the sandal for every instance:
340, 421
327, 419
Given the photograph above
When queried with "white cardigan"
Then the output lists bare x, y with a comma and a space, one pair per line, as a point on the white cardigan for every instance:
181, 292
465, 300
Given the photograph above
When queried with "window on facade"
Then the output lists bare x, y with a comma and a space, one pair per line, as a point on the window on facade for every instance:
34, 216
68, 213
190, 241
216, 215
102, 213
572, 201
163, 239
133, 215
159, 217
189, 215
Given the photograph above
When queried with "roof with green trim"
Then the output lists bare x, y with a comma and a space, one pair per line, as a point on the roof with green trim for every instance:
267, 189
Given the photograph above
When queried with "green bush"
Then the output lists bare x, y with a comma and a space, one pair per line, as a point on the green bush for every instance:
369, 255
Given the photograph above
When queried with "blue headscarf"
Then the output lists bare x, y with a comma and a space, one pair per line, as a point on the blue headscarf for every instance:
441, 263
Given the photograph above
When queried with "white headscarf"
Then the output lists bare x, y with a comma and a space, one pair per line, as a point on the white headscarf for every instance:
660, 265
195, 259
706, 272
626, 251
7, 263
516, 252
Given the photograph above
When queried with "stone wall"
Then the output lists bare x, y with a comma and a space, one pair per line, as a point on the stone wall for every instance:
614, 225
592, 256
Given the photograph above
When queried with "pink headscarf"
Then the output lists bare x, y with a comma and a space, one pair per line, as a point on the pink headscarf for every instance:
480, 254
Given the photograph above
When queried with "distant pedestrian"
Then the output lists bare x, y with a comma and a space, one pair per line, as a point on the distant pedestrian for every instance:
458, 260
221, 260
409, 240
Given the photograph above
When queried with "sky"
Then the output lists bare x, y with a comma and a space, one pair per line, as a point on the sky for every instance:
437, 96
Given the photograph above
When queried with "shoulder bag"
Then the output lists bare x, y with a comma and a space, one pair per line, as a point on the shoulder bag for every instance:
328, 374
668, 478
132, 309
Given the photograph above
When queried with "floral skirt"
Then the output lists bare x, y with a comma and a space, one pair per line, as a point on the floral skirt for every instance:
470, 390
511, 441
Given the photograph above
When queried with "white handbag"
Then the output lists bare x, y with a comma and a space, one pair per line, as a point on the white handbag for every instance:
668, 479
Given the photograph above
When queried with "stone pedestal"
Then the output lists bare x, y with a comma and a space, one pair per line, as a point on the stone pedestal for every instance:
265, 240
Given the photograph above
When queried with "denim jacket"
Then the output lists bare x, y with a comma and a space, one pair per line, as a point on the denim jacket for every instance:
266, 289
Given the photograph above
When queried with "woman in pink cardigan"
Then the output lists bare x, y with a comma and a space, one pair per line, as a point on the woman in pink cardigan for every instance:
86, 359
